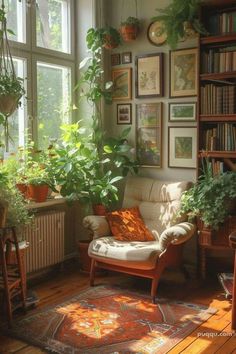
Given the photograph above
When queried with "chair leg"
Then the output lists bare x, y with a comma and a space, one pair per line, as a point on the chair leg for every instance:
155, 282
92, 272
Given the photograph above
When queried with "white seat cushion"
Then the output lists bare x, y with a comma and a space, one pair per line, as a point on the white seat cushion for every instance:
141, 255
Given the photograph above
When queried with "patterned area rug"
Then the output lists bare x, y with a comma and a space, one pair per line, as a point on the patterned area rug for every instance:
105, 320
226, 280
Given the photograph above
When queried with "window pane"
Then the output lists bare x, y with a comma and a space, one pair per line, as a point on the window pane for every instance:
16, 19
16, 122
53, 25
53, 100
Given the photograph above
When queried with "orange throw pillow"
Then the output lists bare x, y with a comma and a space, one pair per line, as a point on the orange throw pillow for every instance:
127, 225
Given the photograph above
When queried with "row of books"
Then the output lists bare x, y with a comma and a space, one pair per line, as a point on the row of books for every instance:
218, 61
218, 99
217, 166
222, 137
220, 23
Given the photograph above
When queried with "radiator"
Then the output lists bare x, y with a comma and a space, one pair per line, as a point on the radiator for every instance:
46, 241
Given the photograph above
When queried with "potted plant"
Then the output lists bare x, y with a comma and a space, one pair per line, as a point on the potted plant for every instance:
11, 86
179, 19
129, 29
212, 198
111, 37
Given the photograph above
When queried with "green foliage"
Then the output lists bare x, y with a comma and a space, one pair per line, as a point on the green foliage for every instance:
210, 197
131, 21
17, 213
11, 85
174, 16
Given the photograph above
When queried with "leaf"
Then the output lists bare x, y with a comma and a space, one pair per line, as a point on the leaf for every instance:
84, 62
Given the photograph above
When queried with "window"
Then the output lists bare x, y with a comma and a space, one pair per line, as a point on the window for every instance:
52, 20
16, 19
43, 57
53, 100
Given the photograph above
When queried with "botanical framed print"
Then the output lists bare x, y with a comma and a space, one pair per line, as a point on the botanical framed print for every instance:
182, 147
183, 72
126, 58
124, 113
115, 59
182, 112
122, 88
148, 134
148, 78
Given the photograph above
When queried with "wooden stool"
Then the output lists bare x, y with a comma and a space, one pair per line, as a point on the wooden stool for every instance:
12, 278
232, 241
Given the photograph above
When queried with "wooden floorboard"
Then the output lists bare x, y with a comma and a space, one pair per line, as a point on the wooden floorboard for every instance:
212, 336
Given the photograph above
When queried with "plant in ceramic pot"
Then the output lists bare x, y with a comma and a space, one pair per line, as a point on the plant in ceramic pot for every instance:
212, 198
129, 29
180, 19
111, 37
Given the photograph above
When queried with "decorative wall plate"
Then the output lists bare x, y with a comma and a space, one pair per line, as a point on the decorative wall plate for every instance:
153, 33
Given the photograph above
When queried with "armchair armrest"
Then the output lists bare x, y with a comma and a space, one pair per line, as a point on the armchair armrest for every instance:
97, 225
176, 234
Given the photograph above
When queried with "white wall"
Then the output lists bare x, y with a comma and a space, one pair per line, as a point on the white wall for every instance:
118, 10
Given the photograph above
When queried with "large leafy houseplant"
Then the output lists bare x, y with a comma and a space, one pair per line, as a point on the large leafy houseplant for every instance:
87, 165
211, 198
176, 19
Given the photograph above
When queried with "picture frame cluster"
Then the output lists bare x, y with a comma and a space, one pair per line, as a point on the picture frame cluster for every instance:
183, 83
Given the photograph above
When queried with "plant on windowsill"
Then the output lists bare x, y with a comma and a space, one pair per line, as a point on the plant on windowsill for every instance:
212, 198
129, 29
180, 20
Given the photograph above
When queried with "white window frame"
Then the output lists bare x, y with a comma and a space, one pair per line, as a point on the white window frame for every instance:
31, 53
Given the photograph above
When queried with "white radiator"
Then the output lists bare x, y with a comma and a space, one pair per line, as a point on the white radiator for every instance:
46, 241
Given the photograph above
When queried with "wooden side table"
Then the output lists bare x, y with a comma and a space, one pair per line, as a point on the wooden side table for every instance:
232, 241
12, 276
214, 240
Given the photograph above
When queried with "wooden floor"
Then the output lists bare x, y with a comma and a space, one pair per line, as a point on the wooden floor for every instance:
220, 339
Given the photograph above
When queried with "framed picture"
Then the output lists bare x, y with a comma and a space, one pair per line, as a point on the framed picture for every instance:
124, 113
126, 57
182, 147
122, 88
182, 112
148, 134
115, 59
183, 72
148, 78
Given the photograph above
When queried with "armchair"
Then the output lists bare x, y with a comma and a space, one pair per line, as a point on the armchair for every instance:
158, 203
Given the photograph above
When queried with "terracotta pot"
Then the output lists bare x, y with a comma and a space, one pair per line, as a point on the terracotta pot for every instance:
38, 193
129, 32
8, 104
85, 260
99, 209
109, 42
23, 188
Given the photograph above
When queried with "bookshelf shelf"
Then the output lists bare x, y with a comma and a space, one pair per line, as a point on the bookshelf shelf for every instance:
221, 38
217, 154
217, 100
218, 76
217, 118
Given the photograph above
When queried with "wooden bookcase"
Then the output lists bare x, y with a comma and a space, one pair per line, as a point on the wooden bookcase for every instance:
217, 104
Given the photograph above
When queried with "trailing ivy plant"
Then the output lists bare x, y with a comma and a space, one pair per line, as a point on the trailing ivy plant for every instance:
211, 197
87, 165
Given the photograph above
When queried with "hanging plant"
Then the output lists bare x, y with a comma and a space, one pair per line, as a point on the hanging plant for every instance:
11, 86
129, 29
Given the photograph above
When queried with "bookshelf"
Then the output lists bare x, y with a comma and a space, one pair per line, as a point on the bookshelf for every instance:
217, 104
